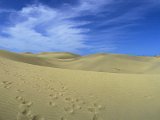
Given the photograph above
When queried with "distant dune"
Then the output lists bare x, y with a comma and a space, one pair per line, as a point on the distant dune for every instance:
111, 63
65, 86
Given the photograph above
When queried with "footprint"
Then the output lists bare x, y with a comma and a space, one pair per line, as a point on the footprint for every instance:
64, 88
55, 97
95, 104
95, 117
148, 96
68, 99
30, 115
60, 94
37, 117
29, 103
20, 91
78, 107
21, 116
77, 100
23, 101
52, 104
73, 105
66, 109
51, 95
24, 109
7, 87
62, 118
52, 89
69, 110
100, 107
20, 99
92, 110
6, 84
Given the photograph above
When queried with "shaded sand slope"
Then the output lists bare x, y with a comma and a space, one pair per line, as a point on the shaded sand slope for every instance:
99, 62
31, 92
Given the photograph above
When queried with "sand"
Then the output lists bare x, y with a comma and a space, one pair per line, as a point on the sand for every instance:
111, 63
33, 90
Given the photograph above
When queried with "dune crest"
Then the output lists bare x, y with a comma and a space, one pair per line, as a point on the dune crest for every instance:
112, 63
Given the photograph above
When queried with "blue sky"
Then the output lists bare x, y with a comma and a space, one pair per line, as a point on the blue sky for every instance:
81, 26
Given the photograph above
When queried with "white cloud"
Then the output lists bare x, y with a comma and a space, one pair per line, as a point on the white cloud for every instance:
40, 28
92, 5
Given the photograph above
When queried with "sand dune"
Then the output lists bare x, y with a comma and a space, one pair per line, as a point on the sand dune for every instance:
99, 62
32, 89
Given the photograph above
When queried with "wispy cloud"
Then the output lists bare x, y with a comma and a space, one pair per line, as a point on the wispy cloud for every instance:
5, 10
41, 28
92, 5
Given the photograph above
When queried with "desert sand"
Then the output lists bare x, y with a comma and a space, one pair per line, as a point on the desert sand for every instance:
65, 86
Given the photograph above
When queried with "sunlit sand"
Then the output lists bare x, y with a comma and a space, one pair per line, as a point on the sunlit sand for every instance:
65, 86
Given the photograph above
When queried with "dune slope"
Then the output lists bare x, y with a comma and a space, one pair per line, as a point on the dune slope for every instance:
99, 62
32, 92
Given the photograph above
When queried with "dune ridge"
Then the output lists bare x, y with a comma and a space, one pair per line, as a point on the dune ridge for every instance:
111, 63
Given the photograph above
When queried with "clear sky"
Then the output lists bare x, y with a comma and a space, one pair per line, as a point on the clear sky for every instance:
81, 26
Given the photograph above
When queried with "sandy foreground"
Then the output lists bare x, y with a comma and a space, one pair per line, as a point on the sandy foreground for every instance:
40, 92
